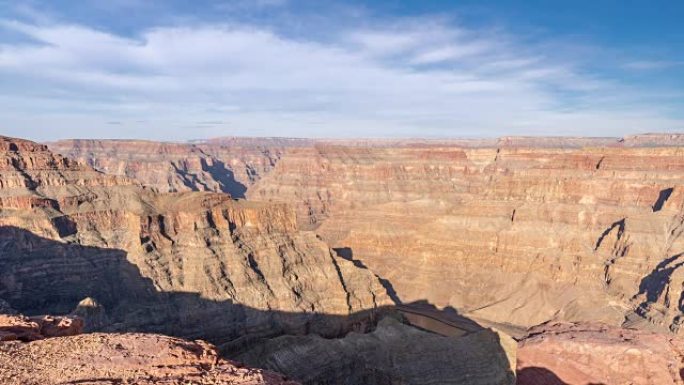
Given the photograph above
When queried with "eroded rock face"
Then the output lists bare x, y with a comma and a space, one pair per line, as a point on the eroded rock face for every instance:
582, 354
196, 265
512, 234
516, 230
392, 354
104, 359
221, 165
19, 327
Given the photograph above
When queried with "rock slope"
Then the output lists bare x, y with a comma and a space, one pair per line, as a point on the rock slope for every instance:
141, 359
581, 354
221, 165
516, 230
196, 265
514, 235
125, 257
392, 354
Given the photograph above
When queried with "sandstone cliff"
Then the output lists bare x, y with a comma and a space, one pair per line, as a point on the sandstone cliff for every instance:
124, 257
220, 165
165, 262
512, 235
516, 230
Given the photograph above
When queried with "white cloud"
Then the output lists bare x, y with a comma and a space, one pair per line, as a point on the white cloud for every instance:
404, 79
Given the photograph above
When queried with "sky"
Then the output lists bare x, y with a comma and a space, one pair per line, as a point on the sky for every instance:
183, 70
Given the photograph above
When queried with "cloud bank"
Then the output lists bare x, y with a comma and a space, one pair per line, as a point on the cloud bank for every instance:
421, 77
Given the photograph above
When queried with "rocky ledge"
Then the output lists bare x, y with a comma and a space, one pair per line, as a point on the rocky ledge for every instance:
582, 354
142, 359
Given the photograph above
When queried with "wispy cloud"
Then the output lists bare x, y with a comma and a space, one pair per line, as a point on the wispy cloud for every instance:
403, 77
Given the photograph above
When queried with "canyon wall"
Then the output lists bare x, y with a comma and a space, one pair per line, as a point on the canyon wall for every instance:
196, 265
513, 235
513, 231
126, 258
229, 166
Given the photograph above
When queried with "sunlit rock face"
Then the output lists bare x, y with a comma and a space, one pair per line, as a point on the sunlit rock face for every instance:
193, 264
515, 235
132, 358
125, 258
513, 230
580, 354
228, 165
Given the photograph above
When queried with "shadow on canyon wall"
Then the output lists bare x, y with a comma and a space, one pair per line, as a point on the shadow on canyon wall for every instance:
218, 171
44, 276
348, 254
225, 178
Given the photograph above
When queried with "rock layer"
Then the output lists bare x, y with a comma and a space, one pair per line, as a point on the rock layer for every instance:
516, 230
512, 235
18, 327
164, 262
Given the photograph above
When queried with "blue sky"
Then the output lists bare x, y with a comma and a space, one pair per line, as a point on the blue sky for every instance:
178, 70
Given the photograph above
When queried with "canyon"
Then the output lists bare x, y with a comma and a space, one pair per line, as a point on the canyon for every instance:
460, 261
119, 258
517, 231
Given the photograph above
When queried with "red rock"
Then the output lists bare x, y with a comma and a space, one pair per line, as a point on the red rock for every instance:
583, 354
141, 359
18, 327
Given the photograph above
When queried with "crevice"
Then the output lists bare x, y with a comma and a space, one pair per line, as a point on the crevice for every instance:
254, 265
225, 178
598, 164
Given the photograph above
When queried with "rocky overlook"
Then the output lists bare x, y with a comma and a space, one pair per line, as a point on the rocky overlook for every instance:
520, 234
123, 257
562, 354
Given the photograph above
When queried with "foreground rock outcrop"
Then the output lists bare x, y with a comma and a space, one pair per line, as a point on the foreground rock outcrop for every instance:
18, 327
582, 354
141, 359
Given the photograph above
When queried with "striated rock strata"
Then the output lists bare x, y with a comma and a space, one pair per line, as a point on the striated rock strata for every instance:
241, 274
513, 235
517, 230
196, 265
219, 165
